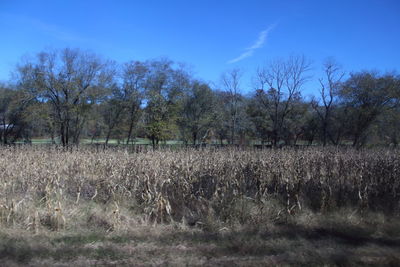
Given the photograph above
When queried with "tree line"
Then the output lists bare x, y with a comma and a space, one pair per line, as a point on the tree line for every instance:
68, 95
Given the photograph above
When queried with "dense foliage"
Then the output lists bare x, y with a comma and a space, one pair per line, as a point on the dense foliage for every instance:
70, 95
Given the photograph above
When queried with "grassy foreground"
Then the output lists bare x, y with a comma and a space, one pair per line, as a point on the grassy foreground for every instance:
209, 207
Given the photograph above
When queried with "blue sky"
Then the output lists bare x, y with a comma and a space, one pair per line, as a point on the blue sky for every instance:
210, 36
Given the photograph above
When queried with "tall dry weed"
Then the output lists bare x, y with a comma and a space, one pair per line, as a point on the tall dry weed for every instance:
54, 189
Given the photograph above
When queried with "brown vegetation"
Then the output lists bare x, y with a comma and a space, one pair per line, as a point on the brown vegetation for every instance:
335, 206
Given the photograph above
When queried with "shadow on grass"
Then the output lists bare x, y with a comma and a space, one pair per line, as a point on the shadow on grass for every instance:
345, 234
61, 249
292, 244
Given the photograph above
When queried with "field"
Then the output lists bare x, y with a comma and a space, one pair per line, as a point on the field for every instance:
229, 207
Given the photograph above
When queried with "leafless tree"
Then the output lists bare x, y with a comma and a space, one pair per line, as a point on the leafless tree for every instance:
231, 85
278, 87
328, 92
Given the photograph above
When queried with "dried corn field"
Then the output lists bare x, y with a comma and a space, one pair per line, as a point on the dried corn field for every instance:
46, 191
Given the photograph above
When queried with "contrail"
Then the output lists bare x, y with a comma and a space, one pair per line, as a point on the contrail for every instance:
262, 37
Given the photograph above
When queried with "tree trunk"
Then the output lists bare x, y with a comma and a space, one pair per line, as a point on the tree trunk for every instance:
153, 141
131, 123
128, 139
324, 133
3, 133
62, 134
107, 137
67, 133
194, 135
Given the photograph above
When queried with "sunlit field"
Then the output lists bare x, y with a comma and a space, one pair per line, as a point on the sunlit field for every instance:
199, 207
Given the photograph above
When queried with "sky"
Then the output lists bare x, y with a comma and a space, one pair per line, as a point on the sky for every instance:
209, 36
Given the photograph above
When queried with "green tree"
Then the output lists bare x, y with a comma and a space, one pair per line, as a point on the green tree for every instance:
388, 126
134, 75
13, 114
164, 91
113, 110
260, 119
365, 96
197, 114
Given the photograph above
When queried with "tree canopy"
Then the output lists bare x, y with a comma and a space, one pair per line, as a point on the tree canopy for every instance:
69, 95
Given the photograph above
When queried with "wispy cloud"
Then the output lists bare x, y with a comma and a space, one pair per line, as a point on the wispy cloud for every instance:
52, 30
57, 32
262, 37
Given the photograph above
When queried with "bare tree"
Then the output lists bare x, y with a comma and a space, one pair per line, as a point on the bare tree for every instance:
278, 87
231, 85
328, 93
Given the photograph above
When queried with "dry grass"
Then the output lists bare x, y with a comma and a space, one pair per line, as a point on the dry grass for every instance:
207, 207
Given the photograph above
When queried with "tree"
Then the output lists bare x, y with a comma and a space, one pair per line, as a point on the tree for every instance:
71, 81
310, 126
123, 105
164, 89
278, 86
328, 93
13, 113
95, 126
40, 124
231, 86
113, 109
259, 117
297, 122
221, 123
197, 114
388, 126
366, 95
134, 75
